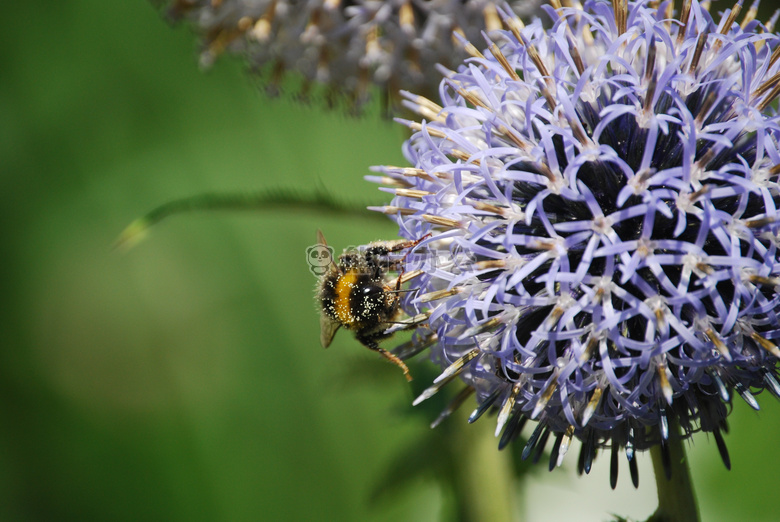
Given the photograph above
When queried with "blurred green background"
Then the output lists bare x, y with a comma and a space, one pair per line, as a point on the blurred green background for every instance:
184, 380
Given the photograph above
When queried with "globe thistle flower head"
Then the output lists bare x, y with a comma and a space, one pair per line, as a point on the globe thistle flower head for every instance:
345, 46
607, 190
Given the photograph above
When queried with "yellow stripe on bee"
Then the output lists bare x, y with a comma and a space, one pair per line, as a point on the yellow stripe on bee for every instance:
344, 287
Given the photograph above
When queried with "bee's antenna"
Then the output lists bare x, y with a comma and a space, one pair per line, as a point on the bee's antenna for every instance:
320, 201
402, 291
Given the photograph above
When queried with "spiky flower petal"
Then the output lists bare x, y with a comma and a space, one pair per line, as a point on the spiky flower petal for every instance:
608, 191
346, 46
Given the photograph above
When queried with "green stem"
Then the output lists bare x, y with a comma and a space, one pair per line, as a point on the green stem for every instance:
676, 498
485, 480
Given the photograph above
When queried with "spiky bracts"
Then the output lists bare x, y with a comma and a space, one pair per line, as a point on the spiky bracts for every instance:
607, 192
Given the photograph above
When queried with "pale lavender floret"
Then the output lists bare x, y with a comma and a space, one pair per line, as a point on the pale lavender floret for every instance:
346, 46
622, 223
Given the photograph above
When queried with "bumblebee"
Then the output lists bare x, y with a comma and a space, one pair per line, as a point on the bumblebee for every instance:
356, 294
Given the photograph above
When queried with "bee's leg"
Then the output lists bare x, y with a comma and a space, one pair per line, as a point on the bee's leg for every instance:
401, 244
403, 259
371, 344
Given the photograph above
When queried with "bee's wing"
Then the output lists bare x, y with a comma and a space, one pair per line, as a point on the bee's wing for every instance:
321, 238
328, 326
321, 241
328, 329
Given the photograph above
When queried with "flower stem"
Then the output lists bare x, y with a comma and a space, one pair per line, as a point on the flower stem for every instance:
676, 498
485, 480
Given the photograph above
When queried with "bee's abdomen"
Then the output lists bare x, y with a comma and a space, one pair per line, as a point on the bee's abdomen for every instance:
355, 299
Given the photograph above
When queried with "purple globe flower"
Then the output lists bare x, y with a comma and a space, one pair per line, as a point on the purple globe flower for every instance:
346, 46
606, 192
